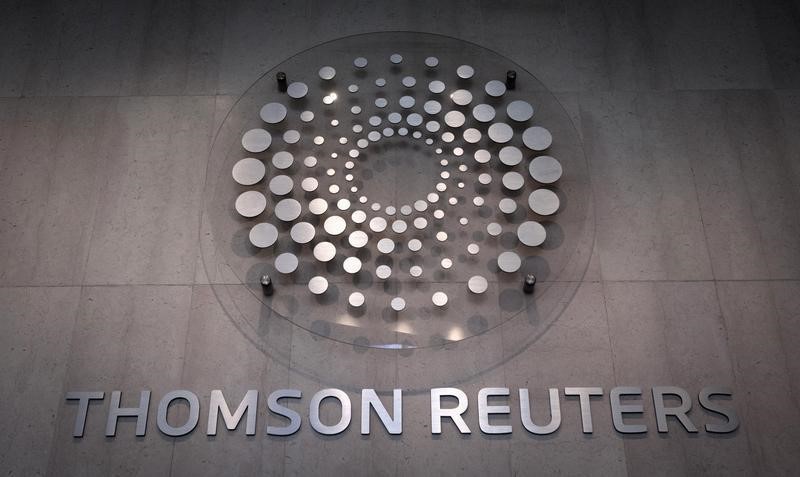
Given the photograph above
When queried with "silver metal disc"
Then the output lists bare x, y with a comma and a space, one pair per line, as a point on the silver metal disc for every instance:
461, 97
396, 58
485, 178
287, 210
297, 90
399, 226
432, 106
281, 185
415, 271
472, 135
482, 156
409, 81
263, 235
327, 72
407, 102
256, 140
513, 180
519, 110
358, 239
500, 133
537, 138
508, 205
360, 62
291, 136
531, 233
309, 184
248, 171
377, 224
473, 249
383, 272
436, 86
324, 251
477, 284
544, 202
356, 299
358, 216
335, 225
446, 263
273, 113
318, 206
510, 155
414, 119
439, 299
465, 71
509, 262
385, 245
318, 285
543, 169
307, 116
286, 263
456, 119
398, 304
415, 245
431, 62
483, 113
302, 232
282, 160
494, 229
495, 88
352, 265
250, 203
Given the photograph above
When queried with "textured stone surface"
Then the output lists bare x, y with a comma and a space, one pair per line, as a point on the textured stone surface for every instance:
689, 113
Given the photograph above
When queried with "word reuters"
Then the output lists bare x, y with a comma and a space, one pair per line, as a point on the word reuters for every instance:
446, 403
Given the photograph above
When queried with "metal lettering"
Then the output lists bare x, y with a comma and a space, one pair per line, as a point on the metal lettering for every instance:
316, 401
83, 398
140, 413
525, 413
218, 404
705, 401
618, 409
194, 413
293, 416
586, 409
369, 398
679, 412
437, 413
484, 410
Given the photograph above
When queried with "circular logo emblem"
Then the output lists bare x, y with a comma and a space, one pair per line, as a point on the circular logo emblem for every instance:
396, 190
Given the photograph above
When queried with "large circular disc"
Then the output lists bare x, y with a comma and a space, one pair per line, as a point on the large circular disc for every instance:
477, 284
495, 88
509, 262
510, 155
281, 185
352, 265
545, 169
519, 110
335, 225
248, 171
250, 203
297, 90
287, 210
537, 138
531, 233
286, 263
544, 202
263, 235
500, 133
513, 180
302, 232
318, 285
273, 113
324, 251
256, 140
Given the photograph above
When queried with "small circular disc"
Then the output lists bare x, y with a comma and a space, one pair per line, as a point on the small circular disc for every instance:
256, 140
286, 263
478, 201
263, 235
287, 210
352, 265
420, 205
508, 205
360, 62
381, 102
353, 88
531, 233
310, 161
324, 251
273, 113
495, 88
415, 271
396, 58
441, 236
302, 232
477, 284
248, 171
358, 216
297, 90
436, 86
282, 160
415, 245
420, 223
318, 206
446, 263
544, 202
399, 226
472, 135
439, 299
377, 224
327, 72
383, 272
519, 110
398, 304
358, 239
537, 138
407, 102
510, 155
432, 126
380, 82
473, 249
431, 62
455, 119
465, 71
395, 118
335, 225
513, 180
318, 285
409, 81
482, 156
405, 209
494, 229
500, 133
432, 106
483, 113
250, 203
543, 169
414, 119
356, 299
281, 185
385, 245
461, 97
309, 184
307, 116
509, 262
485, 178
